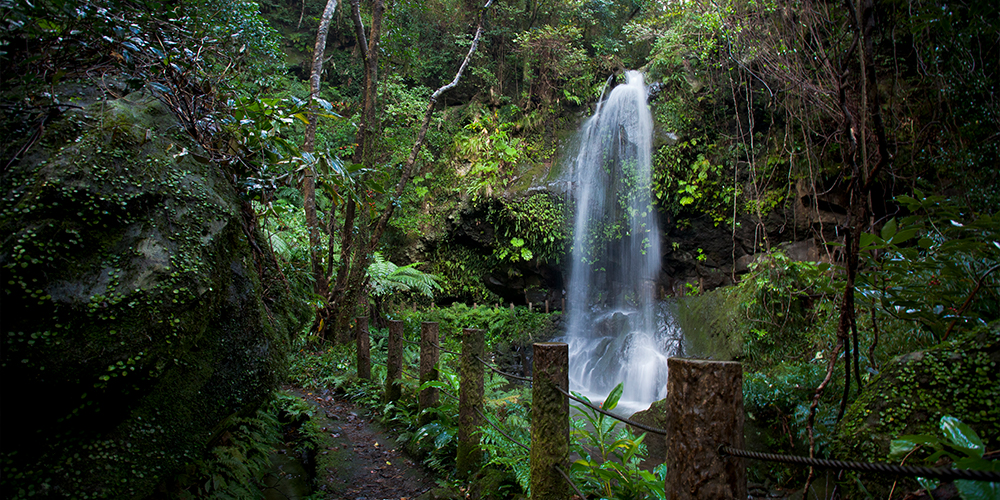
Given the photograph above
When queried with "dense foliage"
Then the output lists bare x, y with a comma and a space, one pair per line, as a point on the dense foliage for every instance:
867, 129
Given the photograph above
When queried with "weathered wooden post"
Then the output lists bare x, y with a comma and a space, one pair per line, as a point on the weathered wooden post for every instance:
704, 411
364, 348
546, 306
394, 363
429, 356
470, 403
549, 421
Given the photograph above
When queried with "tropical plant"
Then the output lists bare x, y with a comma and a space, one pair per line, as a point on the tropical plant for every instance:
386, 278
963, 446
937, 266
609, 463
493, 154
514, 420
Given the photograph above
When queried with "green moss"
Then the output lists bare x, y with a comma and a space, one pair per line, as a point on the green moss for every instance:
958, 378
142, 323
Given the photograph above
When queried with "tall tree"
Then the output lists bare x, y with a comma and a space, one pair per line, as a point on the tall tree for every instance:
320, 278
360, 247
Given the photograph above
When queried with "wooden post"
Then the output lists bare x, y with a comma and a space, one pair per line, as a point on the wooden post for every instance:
394, 364
470, 403
550, 421
563, 305
429, 356
546, 306
704, 411
364, 351
530, 307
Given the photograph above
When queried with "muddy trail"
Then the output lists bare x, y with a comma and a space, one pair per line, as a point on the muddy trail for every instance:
354, 458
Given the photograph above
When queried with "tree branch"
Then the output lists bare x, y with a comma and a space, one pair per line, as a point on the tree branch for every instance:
411, 160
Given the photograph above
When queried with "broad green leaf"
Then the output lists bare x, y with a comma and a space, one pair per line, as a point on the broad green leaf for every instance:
961, 435
867, 240
433, 383
977, 490
889, 229
904, 235
612, 401
899, 448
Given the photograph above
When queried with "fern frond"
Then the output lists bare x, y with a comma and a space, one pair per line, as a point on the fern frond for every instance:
386, 278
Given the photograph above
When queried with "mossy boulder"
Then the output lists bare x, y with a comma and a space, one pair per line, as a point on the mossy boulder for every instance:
139, 314
960, 377
656, 445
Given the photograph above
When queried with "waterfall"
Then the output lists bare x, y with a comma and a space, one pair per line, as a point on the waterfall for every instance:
615, 328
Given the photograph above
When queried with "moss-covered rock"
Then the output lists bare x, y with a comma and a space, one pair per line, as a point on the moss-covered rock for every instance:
138, 315
656, 445
960, 378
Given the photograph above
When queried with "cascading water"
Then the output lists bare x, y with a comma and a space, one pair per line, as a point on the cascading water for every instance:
615, 330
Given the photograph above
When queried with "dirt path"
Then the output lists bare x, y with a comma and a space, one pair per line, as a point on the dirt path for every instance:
361, 461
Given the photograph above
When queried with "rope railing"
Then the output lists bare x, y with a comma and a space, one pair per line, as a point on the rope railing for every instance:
702, 376
450, 395
501, 373
881, 468
633, 423
570, 481
502, 433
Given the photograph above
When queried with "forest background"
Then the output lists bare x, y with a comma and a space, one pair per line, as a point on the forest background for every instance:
826, 172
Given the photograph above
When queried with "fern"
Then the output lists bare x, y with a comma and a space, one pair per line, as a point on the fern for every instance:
502, 451
235, 470
386, 278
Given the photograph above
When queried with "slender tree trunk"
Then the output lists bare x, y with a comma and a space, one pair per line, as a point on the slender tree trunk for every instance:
350, 282
320, 281
862, 179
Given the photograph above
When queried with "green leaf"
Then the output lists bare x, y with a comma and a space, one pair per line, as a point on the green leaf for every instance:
612, 401
928, 484
962, 435
889, 229
433, 383
899, 448
977, 490
902, 236
869, 240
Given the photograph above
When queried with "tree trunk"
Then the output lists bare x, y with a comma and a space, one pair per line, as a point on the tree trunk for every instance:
320, 279
350, 282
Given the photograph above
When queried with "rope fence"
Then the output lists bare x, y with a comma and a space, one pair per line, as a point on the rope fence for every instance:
503, 374
502, 433
719, 418
880, 468
648, 428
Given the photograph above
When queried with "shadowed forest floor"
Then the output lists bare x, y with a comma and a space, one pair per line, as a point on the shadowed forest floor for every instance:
357, 460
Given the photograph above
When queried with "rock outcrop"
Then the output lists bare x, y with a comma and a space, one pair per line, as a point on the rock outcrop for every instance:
139, 314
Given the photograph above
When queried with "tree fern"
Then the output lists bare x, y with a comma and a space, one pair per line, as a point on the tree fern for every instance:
386, 278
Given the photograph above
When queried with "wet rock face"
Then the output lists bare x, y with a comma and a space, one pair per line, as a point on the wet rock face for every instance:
135, 318
701, 254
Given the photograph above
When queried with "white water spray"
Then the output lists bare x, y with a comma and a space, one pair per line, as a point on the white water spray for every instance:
615, 332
